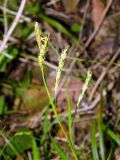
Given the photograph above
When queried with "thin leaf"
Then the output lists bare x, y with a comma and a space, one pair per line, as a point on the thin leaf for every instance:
100, 127
36, 153
93, 142
70, 120
2, 105
46, 126
59, 26
112, 135
59, 151
110, 153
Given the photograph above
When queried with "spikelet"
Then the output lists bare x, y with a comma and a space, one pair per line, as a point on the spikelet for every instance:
42, 44
41, 56
59, 69
85, 86
38, 34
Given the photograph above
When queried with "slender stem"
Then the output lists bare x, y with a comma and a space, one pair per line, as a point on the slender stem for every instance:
55, 112
51, 101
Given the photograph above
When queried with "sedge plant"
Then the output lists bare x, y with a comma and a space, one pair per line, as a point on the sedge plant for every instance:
42, 47
41, 57
42, 44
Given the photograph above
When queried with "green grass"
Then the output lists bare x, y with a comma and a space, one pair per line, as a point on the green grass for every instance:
36, 152
100, 127
93, 142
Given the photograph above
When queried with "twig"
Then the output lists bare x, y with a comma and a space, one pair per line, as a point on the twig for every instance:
34, 121
84, 19
50, 65
99, 25
103, 74
13, 25
25, 18
5, 17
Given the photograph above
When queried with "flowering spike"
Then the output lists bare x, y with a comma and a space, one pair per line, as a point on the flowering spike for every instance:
60, 66
89, 75
42, 44
41, 56
38, 33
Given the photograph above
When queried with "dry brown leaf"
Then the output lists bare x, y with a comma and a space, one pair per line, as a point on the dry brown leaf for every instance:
57, 158
70, 5
98, 8
60, 132
20, 157
2, 142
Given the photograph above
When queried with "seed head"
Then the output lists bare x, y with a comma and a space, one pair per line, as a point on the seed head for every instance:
59, 69
38, 34
42, 44
85, 86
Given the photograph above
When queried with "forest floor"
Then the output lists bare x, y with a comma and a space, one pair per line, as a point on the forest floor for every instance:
28, 126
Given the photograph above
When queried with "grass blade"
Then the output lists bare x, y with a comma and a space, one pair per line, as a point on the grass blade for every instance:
46, 126
2, 105
59, 151
59, 26
100, 127
93, 142
36, 155
112, 135
70, 120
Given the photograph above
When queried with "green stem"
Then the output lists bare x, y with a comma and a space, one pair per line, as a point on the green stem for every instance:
55, 112
51, 101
